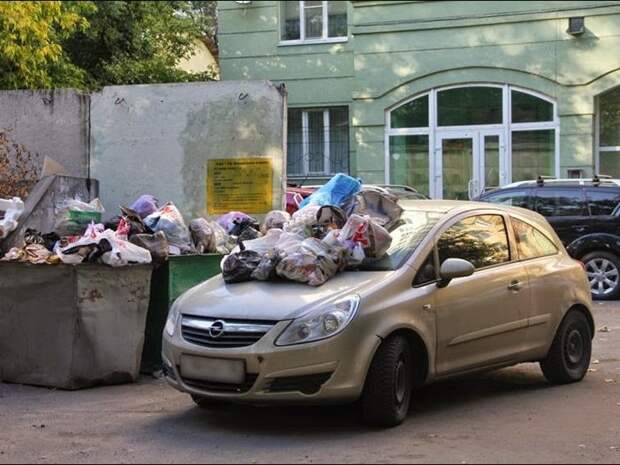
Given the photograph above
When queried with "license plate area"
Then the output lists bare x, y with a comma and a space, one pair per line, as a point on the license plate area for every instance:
215, 370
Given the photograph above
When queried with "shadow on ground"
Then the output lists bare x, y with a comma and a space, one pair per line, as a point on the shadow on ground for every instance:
334, 422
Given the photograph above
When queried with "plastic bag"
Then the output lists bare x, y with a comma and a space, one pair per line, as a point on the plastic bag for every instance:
314, 263
170, 221
203, 235
289, 243
123, 253
302, 221
338, 190
156, 244
266, 269
263, 244
229, 220
362, 232
246, 229
223, 242
275, 219
146, 205
238, 267
73, 216
381, 208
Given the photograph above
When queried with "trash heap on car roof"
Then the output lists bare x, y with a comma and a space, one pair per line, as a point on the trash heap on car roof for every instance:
338, 226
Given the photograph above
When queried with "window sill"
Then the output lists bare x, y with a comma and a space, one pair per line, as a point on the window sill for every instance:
331, 40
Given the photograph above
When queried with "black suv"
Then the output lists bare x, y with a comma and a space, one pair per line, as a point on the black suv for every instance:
586, 216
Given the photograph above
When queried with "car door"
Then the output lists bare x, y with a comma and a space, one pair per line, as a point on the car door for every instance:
481, 319
603, 203
565, 209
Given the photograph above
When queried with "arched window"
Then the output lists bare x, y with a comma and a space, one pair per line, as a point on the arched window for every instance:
456, 142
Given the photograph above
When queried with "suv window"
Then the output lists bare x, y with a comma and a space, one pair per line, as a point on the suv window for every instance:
481, 240
532, 243
560, 202
602, 202
516, 198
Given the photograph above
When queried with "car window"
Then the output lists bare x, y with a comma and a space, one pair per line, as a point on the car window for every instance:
516, 198
560, 202
602, 202
532, 243
427, 273
413, 228
481, 240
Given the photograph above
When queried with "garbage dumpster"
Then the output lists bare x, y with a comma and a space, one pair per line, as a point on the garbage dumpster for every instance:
172, 279
72, 327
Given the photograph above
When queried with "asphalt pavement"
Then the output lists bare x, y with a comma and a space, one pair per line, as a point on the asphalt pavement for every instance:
509, 416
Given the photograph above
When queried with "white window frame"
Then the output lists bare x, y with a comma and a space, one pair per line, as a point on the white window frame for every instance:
433, 131
305, 141
324, 39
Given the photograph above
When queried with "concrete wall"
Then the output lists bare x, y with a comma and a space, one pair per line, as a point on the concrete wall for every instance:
397, 49
156, 139
35, 124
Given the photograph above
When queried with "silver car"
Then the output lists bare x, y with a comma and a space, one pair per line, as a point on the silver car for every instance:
465, 287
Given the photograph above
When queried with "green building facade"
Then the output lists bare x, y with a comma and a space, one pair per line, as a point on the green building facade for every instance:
450, 97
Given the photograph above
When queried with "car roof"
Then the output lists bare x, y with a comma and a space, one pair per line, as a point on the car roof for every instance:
455, 207
605, 182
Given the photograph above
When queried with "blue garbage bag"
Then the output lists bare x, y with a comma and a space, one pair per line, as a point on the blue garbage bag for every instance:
337, 191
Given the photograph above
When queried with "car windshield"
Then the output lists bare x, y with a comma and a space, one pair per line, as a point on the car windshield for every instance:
406, 237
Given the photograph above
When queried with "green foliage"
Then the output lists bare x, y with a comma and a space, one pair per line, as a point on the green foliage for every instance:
30, 52
90, 44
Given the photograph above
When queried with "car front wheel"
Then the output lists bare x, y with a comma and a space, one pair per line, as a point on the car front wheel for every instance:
568, 360
389, 385
603, 270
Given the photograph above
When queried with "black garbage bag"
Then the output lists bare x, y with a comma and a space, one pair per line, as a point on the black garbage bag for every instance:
239, 266
266, 269
246, 229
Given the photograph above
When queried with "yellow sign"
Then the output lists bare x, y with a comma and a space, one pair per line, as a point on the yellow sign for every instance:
239, 184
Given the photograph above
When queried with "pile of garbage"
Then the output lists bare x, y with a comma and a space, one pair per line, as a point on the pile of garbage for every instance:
338, 226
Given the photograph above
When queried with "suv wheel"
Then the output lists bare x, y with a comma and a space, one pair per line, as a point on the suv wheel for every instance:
389, 385
603, 270
569, 358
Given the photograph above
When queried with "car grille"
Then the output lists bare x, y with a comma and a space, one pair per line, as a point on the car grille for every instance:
224, 334
250, 380
309, 384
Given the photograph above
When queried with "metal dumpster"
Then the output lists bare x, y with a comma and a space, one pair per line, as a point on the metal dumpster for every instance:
172, 279
72, 327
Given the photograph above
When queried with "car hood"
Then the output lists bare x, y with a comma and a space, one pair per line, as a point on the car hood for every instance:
274, 301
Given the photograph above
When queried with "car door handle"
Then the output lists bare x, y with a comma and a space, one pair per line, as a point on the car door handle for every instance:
579, 229
515, 286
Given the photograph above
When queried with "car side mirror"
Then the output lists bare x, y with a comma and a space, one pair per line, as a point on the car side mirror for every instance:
454, 268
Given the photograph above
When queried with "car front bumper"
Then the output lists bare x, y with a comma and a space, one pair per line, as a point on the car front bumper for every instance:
329, 371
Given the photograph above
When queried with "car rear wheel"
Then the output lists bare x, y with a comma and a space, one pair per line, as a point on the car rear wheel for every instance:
569, 358
389, 385
603, 270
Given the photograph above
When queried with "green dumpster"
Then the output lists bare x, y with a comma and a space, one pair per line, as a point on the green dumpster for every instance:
178, 275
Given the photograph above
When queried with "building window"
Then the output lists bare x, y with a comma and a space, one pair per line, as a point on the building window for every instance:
609, 133
459, 141
318, 141
313, 21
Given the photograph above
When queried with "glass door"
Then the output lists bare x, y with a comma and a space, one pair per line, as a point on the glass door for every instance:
457, 166
492, 161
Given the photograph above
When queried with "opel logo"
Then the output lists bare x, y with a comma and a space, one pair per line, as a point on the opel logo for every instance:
217, 329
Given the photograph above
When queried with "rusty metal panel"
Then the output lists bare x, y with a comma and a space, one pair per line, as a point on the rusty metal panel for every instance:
36, 124
72, 327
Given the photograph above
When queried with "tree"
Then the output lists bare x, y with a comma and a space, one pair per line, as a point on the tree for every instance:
31, 55
137, 42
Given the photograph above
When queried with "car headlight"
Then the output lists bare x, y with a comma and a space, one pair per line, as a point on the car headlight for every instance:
171, 322
322, 323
